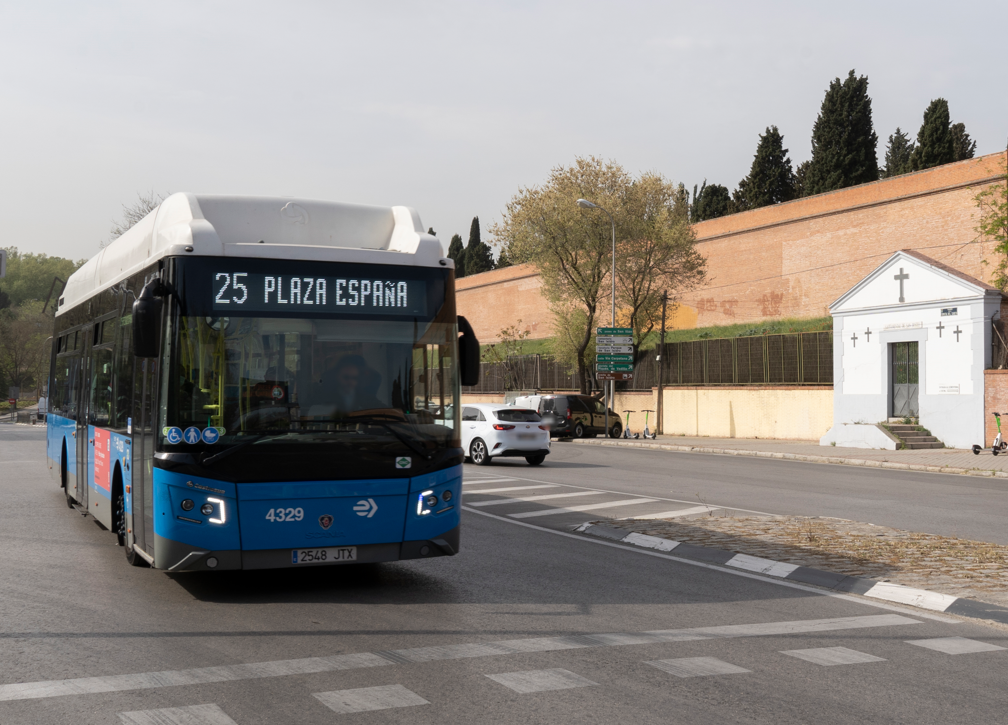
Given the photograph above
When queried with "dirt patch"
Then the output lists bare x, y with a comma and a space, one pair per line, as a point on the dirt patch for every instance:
943, 564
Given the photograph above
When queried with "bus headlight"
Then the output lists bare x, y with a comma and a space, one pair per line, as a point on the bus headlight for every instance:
220, 507
420, 509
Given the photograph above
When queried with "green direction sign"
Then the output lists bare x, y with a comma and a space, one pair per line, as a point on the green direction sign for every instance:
614, 331
614, 368
614, 358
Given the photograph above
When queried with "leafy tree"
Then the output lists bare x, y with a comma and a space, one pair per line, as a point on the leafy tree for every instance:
963, 147
132, 213
898, 155
771, 178
711, 202
935, 145
657, 254
843, 139
479, 258
456, 252
23, 352
30, 276
508, 351
570, 248
993, 225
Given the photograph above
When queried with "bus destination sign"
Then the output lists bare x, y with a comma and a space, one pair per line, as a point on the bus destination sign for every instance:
237, 291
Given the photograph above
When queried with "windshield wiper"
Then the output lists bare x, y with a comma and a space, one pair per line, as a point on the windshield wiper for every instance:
238, 446
405, 440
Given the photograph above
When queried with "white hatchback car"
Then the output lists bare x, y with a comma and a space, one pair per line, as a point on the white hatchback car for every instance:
492, 429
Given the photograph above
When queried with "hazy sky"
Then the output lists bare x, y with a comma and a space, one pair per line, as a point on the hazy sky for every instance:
445, 107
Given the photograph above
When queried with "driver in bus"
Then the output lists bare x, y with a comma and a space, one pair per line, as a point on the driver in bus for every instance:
349, 385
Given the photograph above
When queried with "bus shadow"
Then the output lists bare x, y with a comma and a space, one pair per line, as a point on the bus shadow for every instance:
386, 583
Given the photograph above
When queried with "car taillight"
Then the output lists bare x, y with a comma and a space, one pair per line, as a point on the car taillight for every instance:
498, 426
544, 427
568, 414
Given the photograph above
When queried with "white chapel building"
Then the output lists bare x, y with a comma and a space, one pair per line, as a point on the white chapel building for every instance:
912, 339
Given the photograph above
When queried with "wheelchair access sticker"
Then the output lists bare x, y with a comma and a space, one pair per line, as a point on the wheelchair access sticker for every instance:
173, 434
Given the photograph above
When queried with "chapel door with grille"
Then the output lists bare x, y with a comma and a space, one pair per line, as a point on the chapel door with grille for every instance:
905, 379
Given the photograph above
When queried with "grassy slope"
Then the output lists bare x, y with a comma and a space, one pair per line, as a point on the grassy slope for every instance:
746, 329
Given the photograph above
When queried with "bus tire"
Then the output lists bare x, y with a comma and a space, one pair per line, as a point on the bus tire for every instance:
478, 452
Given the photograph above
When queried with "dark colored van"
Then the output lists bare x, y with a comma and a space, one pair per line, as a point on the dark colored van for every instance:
576, 416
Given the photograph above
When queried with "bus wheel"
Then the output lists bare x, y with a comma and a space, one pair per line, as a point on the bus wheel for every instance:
134, 558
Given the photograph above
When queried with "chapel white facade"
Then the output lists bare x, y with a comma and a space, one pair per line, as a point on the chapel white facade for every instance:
911, 339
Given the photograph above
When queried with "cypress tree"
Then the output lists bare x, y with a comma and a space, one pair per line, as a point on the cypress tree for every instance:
898, 155
456, 252
479, 258
503, 260
800, 175
710, 203
962, 145
934, 140
843, 139
771, 178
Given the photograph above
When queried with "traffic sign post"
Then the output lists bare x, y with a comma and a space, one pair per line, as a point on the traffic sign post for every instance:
613, 357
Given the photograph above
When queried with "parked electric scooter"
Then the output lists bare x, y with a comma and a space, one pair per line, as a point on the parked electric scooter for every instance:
626, 429
648, 435
998, 445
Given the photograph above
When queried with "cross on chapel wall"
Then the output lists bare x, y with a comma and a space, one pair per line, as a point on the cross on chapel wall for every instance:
901, 277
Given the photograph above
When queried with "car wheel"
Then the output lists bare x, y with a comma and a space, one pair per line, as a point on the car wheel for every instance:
535, 460
579, 430
478, 452
616, 431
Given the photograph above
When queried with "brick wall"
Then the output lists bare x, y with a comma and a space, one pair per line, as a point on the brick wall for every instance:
995, 398
787, 260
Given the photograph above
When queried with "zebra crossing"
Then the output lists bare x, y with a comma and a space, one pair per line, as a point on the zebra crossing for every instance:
522, 498
532, 682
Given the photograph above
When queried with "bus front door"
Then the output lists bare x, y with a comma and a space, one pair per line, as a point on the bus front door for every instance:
144, 415
83, 396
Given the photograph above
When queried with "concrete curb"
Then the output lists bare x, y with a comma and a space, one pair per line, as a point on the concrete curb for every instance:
836, 460
887, 591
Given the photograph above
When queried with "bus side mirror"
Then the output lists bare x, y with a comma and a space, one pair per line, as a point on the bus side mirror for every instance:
469, 353
147, 321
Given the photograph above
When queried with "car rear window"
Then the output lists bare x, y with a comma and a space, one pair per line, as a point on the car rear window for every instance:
517, 415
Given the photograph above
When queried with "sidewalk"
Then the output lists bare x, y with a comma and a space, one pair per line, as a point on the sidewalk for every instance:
935, 460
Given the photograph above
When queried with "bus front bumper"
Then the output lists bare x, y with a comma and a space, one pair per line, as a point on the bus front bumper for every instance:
185, 558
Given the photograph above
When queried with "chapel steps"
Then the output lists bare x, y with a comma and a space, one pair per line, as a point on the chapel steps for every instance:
913, 438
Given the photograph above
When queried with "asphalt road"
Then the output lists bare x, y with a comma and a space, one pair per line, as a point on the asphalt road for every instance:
528, 624
967, 506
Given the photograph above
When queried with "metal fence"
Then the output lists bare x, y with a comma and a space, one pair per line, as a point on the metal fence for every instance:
803, 358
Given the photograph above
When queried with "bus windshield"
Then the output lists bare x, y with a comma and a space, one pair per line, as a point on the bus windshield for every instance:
326, 376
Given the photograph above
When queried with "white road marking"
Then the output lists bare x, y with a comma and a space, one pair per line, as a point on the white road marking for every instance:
588, 507
473, 481
673, 514
541, 680
829, 656
715, 567
509, 488
366, 699
520, 499
955, 645
651, 542
697, 667
361, 660
192, 715
914, 597
762, 566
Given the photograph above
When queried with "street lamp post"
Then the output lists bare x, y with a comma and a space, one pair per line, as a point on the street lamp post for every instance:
611, 395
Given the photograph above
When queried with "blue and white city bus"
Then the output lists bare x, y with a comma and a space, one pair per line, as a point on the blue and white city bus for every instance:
247, 383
